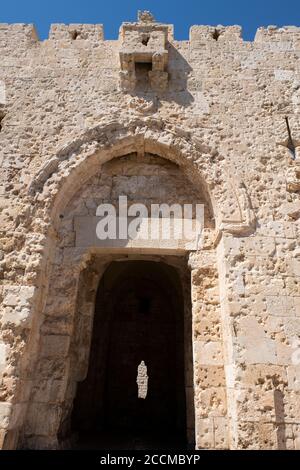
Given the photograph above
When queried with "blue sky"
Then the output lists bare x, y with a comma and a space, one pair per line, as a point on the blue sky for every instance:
182, 13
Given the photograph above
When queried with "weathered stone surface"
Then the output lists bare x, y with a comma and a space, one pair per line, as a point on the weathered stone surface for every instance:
84, 120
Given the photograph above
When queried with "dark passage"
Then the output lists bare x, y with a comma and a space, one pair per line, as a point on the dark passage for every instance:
138, 317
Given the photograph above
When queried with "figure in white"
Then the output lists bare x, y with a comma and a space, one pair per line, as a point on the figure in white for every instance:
142, 380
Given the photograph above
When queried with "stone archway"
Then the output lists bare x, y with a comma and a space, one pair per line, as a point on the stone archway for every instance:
53, 325
63, 175
139, 319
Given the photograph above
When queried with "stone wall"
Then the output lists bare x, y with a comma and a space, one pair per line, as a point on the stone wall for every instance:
222, 120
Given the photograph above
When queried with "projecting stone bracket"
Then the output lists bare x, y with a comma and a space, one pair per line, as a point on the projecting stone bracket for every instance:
144, 42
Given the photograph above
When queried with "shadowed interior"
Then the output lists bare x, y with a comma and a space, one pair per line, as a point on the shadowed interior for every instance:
138, 317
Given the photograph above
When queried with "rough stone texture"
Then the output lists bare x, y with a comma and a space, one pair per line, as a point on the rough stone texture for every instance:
216, 110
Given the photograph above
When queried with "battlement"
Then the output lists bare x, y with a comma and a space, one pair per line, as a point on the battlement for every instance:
215, 33
201, 135
275, 33
91, 32
23, 34
26, 33
17, 32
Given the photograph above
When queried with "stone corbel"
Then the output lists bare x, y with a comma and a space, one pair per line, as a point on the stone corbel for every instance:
158, 77
144, 42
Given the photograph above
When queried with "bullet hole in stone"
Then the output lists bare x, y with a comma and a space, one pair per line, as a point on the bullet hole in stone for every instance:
216, 34
61, 216
74, 35
145, 40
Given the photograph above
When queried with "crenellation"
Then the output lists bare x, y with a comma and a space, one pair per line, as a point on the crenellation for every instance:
72, 32
287, 35
285, 39
276, 39
213, 120
219, 33
17, 34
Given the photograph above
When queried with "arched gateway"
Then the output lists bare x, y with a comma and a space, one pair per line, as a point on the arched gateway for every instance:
81, 346
129, 341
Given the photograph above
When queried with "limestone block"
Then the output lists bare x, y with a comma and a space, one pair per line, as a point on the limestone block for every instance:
18, 412
255, 303
296, 301
55, 367
204, 433
16, 316
293, 373
50, 391
207, 330
211, 402
255, 346
285, 437
267, 434
265, 375
284, 75
267, 285
23, 392
237, 282
212, 376
201, 104
247, 436
221, 433
291, 328
42, 419
293, 267
5, 412
293, 286
206, 317
76, 32
296, 436
27, 294
292, 406
231, 375
55, 345
11, 296
280, 305
284, 353
3, 357
208, 353
8, 439
18, 33
251, 405
18, 296
43, 443
276, 229
255, 246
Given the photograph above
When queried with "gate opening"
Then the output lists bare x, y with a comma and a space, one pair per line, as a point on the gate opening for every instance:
134, 395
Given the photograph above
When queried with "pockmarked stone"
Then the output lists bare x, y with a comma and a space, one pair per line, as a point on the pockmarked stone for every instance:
196, 344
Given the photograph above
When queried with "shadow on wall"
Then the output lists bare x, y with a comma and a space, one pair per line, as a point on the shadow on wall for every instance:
176, 91
280, 419
179, 70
